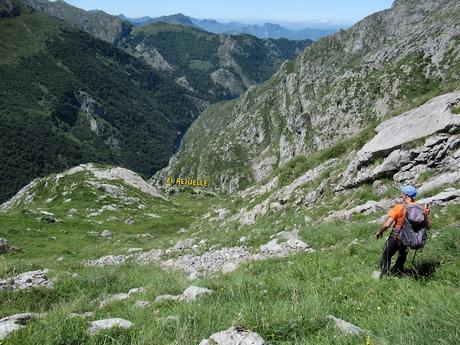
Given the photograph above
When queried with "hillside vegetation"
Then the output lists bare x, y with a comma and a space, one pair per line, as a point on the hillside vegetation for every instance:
69, 98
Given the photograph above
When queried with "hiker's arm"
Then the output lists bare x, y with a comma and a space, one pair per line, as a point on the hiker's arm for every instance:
383, 228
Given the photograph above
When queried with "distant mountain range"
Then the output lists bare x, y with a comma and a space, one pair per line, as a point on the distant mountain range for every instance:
267, 30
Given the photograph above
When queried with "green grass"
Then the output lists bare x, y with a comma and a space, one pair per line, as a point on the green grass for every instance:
456, 110
285, 300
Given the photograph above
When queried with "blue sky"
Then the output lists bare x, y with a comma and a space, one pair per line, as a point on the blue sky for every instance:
321, 11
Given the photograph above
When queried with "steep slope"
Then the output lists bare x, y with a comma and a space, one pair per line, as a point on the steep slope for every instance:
212, 66
68, 98
390, 61
97, 23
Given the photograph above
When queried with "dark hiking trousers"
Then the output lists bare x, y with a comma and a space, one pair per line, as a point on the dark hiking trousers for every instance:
391, 247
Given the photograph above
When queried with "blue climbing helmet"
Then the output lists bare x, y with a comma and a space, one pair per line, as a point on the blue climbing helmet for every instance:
409, 190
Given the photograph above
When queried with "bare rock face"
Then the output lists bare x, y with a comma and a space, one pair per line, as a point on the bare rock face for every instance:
27, 280
100, 325
234, 336
433, 117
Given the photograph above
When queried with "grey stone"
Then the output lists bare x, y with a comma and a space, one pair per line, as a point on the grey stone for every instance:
193, 292
162, 298
108, 260
27, 280
100, 325
12, 323
141, 304
107, 234
114, 298
4, 246
432, 117
346, 327
234, 336
442, 198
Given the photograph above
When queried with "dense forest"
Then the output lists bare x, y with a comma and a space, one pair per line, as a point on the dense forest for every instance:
68, 98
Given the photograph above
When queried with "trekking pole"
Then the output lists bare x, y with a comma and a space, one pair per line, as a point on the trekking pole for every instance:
413, 260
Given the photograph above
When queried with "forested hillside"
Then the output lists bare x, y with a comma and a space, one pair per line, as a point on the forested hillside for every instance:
68, 98
214, 67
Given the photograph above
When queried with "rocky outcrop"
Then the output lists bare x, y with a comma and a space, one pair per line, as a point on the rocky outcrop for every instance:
95, 177
27, 280
433, 117
234, 336
152, 56
435, 124
97, 23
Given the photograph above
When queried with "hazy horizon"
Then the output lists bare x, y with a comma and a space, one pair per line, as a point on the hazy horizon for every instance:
295, 14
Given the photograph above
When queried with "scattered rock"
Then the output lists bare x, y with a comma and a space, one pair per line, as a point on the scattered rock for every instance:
141, 304
12, 323
113, 298
136, 290
85, 315
109, 260
234, 336
147, 236
271, 247
134, 250
27, 280
100, 325
4, 246
376, 274
106, 234
189, 294
162, 298
192, 292
354, 242
47, 218
346, 327
130, 221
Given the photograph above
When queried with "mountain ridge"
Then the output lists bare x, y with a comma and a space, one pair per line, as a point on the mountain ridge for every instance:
390, 61
266, 30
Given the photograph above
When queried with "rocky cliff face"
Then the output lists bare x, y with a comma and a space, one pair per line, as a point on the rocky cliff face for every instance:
97, 23
214, 67
390, 61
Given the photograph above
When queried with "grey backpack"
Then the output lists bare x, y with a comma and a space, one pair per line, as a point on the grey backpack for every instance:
413, 229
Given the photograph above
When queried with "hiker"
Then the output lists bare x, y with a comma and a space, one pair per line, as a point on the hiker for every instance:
406, 233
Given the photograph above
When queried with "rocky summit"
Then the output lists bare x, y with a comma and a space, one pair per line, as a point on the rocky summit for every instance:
280, 245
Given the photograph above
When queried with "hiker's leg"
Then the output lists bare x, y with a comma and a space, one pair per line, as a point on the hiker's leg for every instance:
402, 256
389, 250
